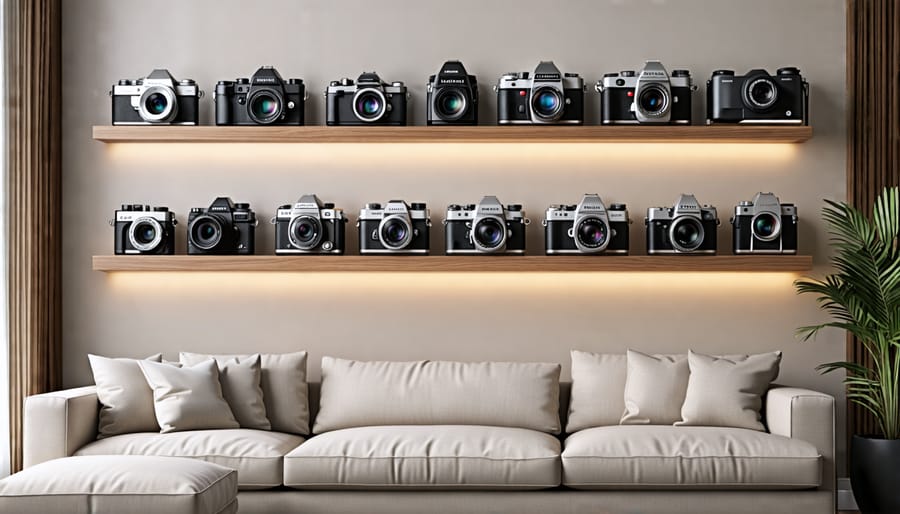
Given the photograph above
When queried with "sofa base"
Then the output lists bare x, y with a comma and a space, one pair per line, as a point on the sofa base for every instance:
563, 501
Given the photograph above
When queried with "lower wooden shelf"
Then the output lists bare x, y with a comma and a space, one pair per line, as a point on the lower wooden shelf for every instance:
442, 263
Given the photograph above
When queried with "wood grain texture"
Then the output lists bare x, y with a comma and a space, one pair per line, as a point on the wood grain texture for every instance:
441, 263
482, 134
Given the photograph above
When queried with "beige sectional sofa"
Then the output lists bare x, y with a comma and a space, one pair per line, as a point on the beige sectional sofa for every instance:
487, 437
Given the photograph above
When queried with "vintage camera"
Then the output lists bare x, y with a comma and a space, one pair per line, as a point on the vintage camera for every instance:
309, 226
588, 227
757, 97
651, 97
545, 97
157, 99
452, 96
141, 230
396, 228
687, 227
485, 228
263, 99
224, 228
369, 101
765, 225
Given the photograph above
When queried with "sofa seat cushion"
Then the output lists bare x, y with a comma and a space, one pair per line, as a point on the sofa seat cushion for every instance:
668, 457
440, 457
257, 455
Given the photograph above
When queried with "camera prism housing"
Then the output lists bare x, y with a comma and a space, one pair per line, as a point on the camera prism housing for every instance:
685, 228
157, 99
224, 228
545, 97
758, 97
395, 228
651, 97
452, 97
485, 228
587, 228
765, 226
309, 227
263, 99
368, 101
142, 230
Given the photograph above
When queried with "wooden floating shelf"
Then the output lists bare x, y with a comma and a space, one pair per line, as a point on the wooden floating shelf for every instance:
442, 263
444, 134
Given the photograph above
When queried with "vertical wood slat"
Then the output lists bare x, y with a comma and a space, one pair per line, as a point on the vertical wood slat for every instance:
32, 42
873, 129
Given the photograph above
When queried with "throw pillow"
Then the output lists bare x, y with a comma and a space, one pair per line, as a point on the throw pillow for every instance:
655, 387
239, 379
126, 401
188, 398
598, 390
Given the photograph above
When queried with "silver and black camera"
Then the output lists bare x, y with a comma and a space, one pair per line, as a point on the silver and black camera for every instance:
765, 225
157, 99
368, 101
650, 97
488, 227
588, 227
309, 226
544, 97
396, 228
142, 230
687, 227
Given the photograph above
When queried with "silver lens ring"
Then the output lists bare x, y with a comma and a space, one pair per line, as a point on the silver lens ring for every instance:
136, 242
500, 225
407, 236
577, 235
776, 230
664, 104
370, 118
208, 245
168, 113
317, 233
674, 240
557, 111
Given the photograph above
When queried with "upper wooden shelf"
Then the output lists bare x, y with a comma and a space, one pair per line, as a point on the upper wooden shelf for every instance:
444, 134
442, 263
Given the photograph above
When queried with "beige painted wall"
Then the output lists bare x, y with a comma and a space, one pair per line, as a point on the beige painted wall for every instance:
470, 317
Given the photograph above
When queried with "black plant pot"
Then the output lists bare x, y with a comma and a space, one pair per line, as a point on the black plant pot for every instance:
875, 474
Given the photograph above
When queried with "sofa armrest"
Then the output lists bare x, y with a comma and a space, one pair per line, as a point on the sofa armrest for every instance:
59, 423
809, 416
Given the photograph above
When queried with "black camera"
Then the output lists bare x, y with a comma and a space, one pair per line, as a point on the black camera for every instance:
369, 101
157, 99
650, 97
757, 97
309, 226
486, 228
141, 230
263, 99
452, 96
396, 228
588, 227
687, 227
545, 97
224, 228
765, 225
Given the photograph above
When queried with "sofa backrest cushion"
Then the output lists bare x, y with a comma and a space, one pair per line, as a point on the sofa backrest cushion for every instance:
598, 390
508, 394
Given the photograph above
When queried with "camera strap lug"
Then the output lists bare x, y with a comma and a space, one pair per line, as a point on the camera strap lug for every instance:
526, 221
694, 87
272, 221
112, 223
598, 87
544, 222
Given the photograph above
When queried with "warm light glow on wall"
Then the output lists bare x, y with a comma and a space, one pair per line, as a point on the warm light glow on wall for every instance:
474, 156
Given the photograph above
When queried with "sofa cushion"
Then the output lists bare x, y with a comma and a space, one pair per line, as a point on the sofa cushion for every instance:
188, 398
425, 457
258, 455
126, 400
120, 485
669, 457
655, 386
240, 381
509, 394
284, 387
598, 390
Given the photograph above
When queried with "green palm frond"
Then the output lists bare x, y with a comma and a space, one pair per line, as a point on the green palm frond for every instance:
862, 297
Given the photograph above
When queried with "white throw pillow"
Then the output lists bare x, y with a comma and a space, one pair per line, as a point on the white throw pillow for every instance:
727, 391
239, 379
188, 398
655, 387
284, 387
126, 401
598, 390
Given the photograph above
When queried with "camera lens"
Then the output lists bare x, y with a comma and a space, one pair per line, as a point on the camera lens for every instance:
761, 93
145, 234
265, 107
450, 104
766, 226
592, 233
653, 100
156, 103
206, 232
489, 233
547, 103
369, 105
305, 232
686, 234
395, 232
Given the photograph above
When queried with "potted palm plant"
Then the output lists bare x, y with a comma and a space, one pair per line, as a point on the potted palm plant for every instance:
862, 297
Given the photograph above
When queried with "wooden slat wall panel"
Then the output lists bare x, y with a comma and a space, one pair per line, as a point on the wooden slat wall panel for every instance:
873, 153
32, 42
